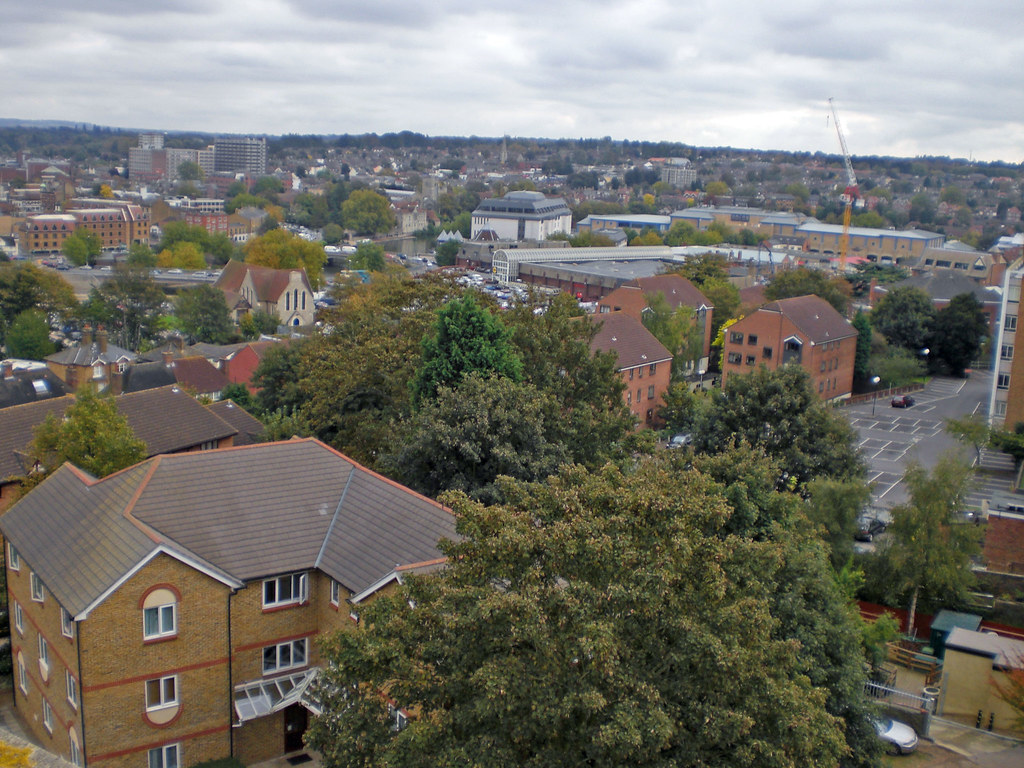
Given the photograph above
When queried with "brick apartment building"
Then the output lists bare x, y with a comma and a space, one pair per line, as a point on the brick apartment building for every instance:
644, 365
116, 225
631, 298
168, 614
805, 330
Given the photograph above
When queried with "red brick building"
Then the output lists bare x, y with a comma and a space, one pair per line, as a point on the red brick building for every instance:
805, 330
168, 614
644, 364
632, 298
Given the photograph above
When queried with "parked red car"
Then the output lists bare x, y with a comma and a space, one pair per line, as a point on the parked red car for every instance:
902, 401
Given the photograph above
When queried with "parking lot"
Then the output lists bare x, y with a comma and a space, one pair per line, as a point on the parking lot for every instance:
890, 438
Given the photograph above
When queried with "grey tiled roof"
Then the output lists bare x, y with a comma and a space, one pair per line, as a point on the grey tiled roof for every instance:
249, 512
815, 317
249, 428
626, 336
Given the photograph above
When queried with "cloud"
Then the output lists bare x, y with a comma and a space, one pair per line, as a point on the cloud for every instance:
916, 77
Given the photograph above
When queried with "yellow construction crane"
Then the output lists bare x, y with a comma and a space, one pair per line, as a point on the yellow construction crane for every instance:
850, 195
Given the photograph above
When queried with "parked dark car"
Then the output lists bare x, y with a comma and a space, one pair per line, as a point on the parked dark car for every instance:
902, 401
868, 528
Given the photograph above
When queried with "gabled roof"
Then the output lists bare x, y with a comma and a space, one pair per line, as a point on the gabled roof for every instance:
815, 317
268, 283
199, 374
249, 428
237, 513
628, 339
944, 284
90, 354
677, 289
29, 387
165, 419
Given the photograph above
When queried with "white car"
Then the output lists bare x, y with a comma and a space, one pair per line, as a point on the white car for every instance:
899, 737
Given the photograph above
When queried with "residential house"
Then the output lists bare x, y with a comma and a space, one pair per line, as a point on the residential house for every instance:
643, 363
167, 420
805, 330
168, 614
282, 293
632, 298
94, 361
194, 373
25, 381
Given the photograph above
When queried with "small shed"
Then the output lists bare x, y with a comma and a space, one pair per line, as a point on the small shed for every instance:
944, 623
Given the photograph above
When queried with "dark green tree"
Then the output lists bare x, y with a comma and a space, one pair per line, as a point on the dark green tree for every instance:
779, 413
277, 378
464, 438
333, 234
597, 620
24, 286
29, 336
862, 357
805, 282
446, 253
252, 325
204, 314
834, 506
240, 395
141, 255
466, 338
904, 316
129, 304
957, 334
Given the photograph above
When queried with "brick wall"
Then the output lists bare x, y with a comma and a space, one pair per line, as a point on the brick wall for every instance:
117, 662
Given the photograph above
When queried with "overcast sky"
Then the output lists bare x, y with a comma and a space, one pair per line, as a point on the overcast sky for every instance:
909, 77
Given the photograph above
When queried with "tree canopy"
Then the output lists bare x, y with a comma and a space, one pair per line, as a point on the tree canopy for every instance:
604, 619
204, 314
29, 336
24, 286
779, 413
904, 316
957, 334
280, 249
93, 435
129, 304
82, 247
466, 338
368, 213
804, 282
368, 256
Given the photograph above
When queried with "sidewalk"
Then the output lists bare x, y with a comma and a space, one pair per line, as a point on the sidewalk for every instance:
988, 750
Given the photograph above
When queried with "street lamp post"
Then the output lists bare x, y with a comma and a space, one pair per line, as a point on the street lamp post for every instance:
874, 399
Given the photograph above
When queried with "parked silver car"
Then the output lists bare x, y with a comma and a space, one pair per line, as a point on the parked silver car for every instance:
899, 737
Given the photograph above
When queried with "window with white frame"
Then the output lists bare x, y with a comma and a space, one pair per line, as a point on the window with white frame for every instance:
36, 585
75, 749
19, 619
1010, 324
159, 615
164, 757
47, 716
285, 590
162, 692
13, 558
1003, 382
72, 688
277, 658
335, 592
1006, 352
44, 653
67, 624
22, 674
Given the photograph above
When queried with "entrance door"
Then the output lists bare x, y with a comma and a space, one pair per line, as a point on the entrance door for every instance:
295, 721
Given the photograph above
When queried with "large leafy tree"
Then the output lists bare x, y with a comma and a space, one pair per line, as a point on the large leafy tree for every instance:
676, 328
24, 286
129, 305
804, 282
929, 551
779, 413
600, 619
554, 345
466, 338
280, 249
834, 506
29, 336
93, 435
368, 213
82, 247
204, 315
957, 333
368, 256
465, 438
904, 316
278, 378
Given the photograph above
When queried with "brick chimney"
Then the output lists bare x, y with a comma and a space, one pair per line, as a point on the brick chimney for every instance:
101, 339
6, 370
179, 344
87, 336
167, 357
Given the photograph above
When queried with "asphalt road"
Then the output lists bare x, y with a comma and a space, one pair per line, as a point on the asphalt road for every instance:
891, 438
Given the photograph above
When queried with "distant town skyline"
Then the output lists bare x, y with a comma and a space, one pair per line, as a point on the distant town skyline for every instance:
921, 77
